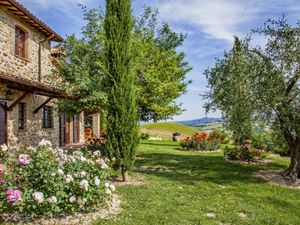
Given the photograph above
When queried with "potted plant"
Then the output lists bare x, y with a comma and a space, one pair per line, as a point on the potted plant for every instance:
176, 136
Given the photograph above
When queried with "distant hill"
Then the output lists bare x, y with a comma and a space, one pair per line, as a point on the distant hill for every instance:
201, 121
164, 130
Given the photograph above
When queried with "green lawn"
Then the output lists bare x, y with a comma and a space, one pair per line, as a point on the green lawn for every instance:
199, 184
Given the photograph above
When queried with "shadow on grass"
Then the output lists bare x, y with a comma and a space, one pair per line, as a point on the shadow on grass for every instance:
190, 169
160, 143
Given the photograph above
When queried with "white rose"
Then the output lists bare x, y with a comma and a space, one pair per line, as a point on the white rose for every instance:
83, 173
4, 147
106, 185
69, 179
112, 187
72, 199
45, 143
84, 184
38, 197
107, 191
96, 181
60, 172
104, 166
52, 200
97, 153
82, 159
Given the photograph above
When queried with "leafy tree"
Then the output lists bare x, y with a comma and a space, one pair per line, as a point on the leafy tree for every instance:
83, 69
230, 90
276, 85
161, 75
274, 81
160, 70
122, 120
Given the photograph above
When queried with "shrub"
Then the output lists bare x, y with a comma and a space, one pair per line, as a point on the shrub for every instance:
45, 181
96, 144
268, 142
202, 142
145, 136
3, 152
220, 135
244, 152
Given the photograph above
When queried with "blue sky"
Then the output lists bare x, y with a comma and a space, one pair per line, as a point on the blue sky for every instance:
209, 24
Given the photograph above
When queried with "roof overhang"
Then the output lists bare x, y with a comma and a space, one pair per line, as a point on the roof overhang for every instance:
25, 15
16, 83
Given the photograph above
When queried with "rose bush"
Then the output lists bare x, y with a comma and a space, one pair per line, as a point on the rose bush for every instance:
202, 142
244, 152
45, 181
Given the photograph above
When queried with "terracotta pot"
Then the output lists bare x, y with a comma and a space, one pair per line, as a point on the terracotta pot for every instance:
176, 138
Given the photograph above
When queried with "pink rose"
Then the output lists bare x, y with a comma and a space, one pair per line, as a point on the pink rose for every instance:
23, 159
13, 195
2, 182
2, 171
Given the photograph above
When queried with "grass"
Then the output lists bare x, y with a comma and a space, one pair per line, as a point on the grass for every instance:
164, 130
200, 183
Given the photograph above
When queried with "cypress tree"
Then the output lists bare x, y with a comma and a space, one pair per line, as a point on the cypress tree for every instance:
122, 118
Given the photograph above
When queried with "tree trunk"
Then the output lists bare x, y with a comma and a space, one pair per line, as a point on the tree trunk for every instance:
293, 172
124, 174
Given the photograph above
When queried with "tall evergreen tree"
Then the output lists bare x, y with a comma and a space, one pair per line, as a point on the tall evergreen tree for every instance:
122, 119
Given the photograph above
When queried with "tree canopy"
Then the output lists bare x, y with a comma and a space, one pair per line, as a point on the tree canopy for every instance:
273, 84
159, 68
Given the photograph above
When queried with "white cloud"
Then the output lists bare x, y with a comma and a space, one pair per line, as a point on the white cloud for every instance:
68, 8
217, 19
57, 4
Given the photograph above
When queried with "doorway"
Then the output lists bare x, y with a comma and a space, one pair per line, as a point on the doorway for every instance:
3, 122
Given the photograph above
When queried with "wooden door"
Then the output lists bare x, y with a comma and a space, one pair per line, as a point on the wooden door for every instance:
3, 122
76, 128
62, 130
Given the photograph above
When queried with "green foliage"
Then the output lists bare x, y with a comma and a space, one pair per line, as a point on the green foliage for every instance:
271, 75
161, 75
230, 90
159, 67
238, 153
66, 182
145, 135
3, 152
122, 120
83, 69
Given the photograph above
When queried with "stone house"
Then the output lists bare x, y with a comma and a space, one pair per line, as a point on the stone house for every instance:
28, 86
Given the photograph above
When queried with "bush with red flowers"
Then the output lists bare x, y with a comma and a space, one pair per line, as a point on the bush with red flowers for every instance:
201, 142
96, 144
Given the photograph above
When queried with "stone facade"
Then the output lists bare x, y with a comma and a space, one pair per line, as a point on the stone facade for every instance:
25, 68
28, 69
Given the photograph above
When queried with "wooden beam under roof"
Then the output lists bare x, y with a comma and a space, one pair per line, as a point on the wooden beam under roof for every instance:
10, 108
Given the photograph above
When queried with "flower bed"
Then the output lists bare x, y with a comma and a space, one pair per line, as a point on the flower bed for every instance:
245, 152
43, 181
202, 142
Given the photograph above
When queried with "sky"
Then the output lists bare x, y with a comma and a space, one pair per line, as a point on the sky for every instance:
210, 26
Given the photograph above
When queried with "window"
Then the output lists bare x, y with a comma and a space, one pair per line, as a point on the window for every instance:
22, 116
20, 42
47, 117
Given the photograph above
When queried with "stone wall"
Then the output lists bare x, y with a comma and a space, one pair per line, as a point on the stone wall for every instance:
24, 68
33, 132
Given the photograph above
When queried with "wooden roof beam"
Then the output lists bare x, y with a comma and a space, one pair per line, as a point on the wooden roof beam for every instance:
10, 108
42, 105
